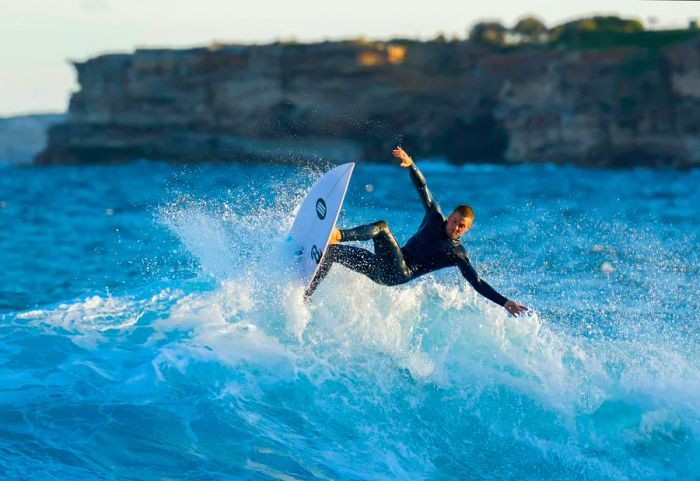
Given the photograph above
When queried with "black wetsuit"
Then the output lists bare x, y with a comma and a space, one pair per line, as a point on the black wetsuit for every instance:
427, 250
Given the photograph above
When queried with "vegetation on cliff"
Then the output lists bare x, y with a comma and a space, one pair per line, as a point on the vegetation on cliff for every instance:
597, 32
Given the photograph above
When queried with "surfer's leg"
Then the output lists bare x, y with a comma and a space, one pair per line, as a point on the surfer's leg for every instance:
390, 261
391, 266
354, 258
362, 232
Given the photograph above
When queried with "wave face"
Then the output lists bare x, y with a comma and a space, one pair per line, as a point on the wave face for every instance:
176, 344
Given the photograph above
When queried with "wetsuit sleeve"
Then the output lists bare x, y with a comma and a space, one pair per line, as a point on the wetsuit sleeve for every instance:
479, 285
419, 181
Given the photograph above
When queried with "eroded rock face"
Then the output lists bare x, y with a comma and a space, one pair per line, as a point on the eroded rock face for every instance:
345, 101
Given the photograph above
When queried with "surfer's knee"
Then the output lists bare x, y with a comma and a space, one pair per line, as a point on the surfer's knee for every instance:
381, 226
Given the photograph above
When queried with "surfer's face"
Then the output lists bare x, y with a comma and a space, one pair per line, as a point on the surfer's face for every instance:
457, 224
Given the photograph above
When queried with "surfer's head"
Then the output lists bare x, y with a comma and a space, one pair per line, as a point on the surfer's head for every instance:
459, 221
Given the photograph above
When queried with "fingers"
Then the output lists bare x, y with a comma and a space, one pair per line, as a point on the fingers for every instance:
515, 309
399, 152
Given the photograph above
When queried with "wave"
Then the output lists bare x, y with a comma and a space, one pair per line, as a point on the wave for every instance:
232, 375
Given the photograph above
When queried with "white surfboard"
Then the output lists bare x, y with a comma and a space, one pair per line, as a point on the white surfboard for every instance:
311, 231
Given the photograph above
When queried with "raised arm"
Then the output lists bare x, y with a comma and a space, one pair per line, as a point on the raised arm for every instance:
482, 287
417, 179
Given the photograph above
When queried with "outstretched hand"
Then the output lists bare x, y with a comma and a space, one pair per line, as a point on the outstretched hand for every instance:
514, 308
401, 154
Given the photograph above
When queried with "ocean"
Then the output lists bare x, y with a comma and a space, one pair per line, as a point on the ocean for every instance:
150, 328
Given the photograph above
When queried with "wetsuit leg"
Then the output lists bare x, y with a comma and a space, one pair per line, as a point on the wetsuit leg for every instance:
392, 268
386, 266
354, 258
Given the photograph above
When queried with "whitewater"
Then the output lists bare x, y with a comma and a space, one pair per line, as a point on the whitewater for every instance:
151, 330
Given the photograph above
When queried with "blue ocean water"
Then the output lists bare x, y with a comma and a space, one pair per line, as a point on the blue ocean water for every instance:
149, 331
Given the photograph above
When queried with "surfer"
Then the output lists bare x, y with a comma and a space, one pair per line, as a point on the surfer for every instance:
436, 245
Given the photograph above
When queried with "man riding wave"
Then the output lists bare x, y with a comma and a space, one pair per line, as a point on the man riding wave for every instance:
434, 246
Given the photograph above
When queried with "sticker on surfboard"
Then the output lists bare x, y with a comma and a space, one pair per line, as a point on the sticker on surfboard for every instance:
315, 220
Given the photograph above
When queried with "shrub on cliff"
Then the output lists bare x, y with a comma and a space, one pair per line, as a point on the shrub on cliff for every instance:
594, 31
530, 30
610, 23
488, 33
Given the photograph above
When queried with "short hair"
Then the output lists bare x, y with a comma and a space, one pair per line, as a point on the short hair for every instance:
465, 211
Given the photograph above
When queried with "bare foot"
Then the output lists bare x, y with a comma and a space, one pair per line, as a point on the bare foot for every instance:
336, 236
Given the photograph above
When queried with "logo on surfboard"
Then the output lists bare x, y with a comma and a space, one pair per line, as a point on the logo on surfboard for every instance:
321, 208
316, 254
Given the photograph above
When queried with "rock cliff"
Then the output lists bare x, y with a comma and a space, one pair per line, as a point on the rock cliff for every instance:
343, 101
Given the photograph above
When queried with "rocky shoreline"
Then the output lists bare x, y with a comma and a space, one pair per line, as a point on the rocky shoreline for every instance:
354, 100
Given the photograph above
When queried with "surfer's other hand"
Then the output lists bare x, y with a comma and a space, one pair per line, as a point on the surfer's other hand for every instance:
336, 236
514, 308
401, 154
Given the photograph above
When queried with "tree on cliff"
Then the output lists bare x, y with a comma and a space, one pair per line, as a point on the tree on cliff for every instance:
488, 33
531, 29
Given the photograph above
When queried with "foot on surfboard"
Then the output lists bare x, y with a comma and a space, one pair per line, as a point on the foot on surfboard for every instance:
336, 236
